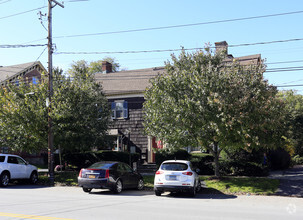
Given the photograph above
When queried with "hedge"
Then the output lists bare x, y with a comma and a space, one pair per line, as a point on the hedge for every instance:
83, 160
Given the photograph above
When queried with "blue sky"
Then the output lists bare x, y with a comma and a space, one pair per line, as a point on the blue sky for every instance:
99, 16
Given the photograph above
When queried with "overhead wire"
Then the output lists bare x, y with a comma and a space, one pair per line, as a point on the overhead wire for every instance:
180, 49
181, 25
20, 13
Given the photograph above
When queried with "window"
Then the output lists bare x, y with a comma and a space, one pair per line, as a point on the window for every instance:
35, 80
174, 166
17, 82
2, 158
119, 109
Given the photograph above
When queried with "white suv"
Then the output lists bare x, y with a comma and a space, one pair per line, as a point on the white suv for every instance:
13, 167
176, 176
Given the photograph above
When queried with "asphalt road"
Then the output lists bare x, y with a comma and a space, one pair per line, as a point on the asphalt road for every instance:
291, 181
35, 202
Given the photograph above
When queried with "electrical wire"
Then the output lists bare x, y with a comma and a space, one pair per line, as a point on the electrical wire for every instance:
7, 46
20, 13
182, 25
174, 50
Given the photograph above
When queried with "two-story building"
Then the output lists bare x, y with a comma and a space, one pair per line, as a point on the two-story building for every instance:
125, 92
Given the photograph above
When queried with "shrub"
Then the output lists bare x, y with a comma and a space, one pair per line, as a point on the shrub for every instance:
242, 168
166, 154
204, 162
279, 159
86, 159
297, 160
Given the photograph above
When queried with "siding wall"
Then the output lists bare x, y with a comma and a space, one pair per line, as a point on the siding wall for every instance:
134, 124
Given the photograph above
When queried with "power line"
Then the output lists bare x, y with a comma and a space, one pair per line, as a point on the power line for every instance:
173, 50
182, 25
7, 46
20, 13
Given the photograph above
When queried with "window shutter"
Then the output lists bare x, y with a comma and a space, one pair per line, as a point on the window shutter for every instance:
113, 109
125, 109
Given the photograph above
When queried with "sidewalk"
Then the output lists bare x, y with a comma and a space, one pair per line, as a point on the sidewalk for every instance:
291, 181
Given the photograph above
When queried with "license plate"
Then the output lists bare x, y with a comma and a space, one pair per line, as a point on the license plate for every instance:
172, 177
91, 176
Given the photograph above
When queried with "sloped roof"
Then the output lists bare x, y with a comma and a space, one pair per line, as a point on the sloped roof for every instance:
9, 72
127, 82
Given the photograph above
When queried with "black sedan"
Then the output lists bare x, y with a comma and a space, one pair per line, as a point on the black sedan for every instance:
114, 176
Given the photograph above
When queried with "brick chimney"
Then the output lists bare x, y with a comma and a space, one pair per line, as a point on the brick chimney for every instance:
221, 46
106, 67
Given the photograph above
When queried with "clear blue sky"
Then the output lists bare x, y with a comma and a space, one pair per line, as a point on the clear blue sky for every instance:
99, 16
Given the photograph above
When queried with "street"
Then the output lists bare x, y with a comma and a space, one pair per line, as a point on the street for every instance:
36, 202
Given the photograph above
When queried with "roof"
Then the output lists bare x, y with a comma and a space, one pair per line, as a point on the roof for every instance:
9, 72
134, 82
127, 82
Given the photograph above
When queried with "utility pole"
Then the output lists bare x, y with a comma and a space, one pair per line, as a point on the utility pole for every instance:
50, 92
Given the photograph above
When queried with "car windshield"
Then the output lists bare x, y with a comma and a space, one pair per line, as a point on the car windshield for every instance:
174, 166
100, 165
2, 158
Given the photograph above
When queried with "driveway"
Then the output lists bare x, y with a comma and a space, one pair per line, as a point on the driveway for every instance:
291, 181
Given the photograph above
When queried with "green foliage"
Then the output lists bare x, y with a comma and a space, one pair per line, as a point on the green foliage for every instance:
79, 111
297, 160
175, 154
242, 168
204, 102
204, 162
83, 160
294, 107
279, 159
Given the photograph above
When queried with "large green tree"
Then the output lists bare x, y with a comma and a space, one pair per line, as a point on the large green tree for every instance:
80, 113
204, 101
294, 108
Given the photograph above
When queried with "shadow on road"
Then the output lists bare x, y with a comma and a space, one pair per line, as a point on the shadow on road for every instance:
201, 195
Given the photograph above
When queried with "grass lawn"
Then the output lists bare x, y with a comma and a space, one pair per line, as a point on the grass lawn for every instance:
241, 185
225, 185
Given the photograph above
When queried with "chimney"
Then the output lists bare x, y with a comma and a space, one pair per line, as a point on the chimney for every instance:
221, 47
106, 67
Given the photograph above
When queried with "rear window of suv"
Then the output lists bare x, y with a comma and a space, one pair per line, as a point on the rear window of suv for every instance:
174, 166
2, 158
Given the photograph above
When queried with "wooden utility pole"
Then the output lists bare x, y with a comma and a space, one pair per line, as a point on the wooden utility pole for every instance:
50, 92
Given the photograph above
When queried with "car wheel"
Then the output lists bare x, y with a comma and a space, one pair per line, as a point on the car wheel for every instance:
140, 184
87, 190
198, 186
158, 193
4, 179
33, 178
118, 186
193, 191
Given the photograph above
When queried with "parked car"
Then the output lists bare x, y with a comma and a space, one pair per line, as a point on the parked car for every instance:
176, 176
13, 167
114, 176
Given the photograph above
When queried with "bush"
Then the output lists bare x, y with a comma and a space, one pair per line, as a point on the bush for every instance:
297, 160
166, 154
242, 168
279, 159
204, 162
82, 160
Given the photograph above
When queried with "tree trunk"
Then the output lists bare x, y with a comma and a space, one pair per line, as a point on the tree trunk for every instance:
216, 158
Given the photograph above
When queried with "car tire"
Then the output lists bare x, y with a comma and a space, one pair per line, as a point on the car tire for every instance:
198, 186
193, 191
87, 190
140, 185
4, 179
158, 193
118, 186
33, 178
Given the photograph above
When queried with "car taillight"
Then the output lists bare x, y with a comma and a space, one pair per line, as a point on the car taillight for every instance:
159, 172
106, 173
80, 173
187, 173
